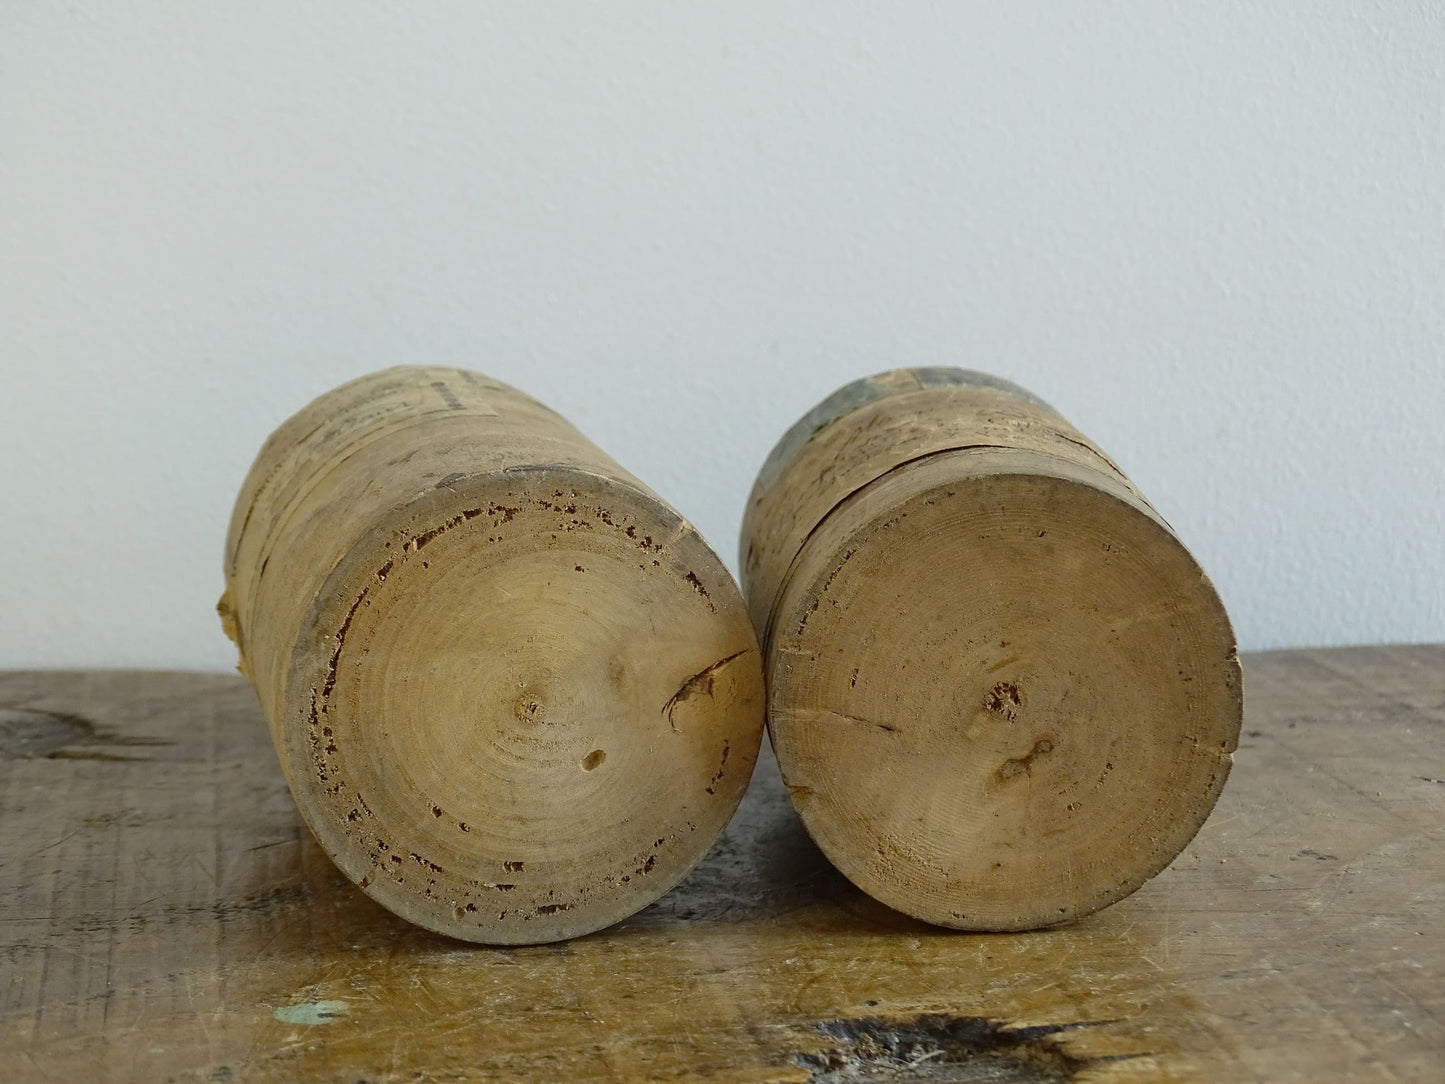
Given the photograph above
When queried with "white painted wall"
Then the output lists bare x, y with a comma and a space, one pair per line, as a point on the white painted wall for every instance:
1212, 234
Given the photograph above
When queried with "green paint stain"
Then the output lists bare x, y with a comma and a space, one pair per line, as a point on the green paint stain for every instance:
312, 1012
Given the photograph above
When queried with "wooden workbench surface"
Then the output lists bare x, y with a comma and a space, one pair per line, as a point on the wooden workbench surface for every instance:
163, 916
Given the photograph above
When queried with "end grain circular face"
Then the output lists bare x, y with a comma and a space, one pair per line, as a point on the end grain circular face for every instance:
1000, 700
531, 710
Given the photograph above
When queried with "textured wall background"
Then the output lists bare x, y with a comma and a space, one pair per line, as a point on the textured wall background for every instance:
1212, 235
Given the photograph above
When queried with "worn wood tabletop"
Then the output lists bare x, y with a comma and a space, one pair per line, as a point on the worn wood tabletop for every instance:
163, 916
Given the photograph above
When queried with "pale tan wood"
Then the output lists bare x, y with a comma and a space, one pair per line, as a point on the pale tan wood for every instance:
1001, 692
164, 915
515, 694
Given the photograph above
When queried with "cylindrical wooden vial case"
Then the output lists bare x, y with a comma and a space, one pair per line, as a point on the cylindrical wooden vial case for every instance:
1001, 692
515, 695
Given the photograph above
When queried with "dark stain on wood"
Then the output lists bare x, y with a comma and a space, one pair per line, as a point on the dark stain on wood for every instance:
940, 1047
56, 735
40, 733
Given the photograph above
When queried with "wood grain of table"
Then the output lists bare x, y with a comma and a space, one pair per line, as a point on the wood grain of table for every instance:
164, 916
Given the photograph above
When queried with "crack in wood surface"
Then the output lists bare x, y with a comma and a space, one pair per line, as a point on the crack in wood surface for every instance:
699, 684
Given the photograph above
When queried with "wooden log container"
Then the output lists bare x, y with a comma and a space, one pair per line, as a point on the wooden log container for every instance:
515, 695
1001, 691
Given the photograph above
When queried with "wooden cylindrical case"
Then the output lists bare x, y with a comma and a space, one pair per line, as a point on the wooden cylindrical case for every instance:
515, 695
1001, 691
